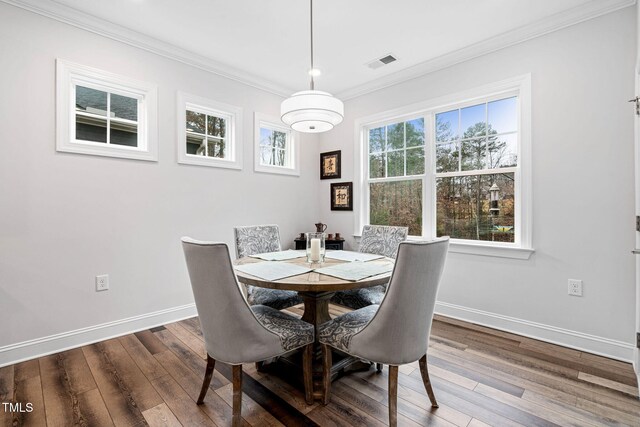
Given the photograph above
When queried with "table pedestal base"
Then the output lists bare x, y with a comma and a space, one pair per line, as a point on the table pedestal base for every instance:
316, 312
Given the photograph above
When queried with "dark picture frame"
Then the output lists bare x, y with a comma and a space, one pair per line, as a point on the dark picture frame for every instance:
342, 196
331, 165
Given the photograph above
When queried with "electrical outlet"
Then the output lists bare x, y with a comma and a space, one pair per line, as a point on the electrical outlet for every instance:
102, 282
575, 287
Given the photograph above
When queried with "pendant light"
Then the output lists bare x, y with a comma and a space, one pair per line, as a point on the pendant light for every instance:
312, 111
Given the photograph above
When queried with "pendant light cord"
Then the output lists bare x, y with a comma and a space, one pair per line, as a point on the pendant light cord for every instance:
311, 26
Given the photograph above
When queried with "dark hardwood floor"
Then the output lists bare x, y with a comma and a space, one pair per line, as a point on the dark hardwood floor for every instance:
480, 376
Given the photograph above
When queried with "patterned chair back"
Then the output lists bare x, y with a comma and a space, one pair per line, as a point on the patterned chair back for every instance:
256, 239
399, 331
382, 239
231, 331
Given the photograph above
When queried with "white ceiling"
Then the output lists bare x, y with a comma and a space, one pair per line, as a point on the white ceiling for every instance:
269, 39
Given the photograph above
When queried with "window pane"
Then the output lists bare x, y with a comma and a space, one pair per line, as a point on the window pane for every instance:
91, 129
266, 155
216, 126
473, 121
195, 144
415, 161
124, 107
91, 101
415, 132
503, 151
395, 136
503, 115
280, 158
397, 203
447, 155
215, 148
280, 139
195, 122
376, 140
376, 166
124, 134
447, 125
465, 209
395, 163
265, 137
474, 154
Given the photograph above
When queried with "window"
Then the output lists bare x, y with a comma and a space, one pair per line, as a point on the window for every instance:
457, 166
104, 114
276, 147
476, 160
208, 133
396, 165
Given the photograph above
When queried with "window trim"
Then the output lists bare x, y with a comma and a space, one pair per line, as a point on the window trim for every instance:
232, 113
522, 215
69, 75
293, 146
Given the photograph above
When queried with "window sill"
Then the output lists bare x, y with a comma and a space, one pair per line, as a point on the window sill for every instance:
277, 170
491, 250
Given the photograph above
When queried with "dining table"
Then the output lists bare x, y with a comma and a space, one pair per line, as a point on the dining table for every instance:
316, 290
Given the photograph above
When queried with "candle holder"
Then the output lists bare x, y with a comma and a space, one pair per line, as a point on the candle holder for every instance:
315, 248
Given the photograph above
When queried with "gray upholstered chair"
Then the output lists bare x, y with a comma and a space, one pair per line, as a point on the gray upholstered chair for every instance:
258, 239
380, 240
235, 333
397, 331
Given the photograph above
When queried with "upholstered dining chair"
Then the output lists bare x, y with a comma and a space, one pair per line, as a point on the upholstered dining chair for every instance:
380, 240
234, 332
396, 331
258, 239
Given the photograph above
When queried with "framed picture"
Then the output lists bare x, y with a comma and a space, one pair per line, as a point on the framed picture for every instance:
342, 196
330, 165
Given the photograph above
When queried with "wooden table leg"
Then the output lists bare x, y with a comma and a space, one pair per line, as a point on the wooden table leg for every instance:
316, 312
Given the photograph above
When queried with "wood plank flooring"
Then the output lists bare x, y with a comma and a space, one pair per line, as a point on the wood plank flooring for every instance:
481, 377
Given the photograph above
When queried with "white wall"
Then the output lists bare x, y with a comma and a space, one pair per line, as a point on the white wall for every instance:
65, 218
583, 181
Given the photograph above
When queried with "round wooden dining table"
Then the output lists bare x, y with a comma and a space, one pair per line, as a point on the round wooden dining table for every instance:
316, 290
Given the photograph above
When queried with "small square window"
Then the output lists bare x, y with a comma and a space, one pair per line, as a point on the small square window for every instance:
104, 114
276, 147
209, 133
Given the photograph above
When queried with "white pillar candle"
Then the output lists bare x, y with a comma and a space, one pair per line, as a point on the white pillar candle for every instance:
315, 250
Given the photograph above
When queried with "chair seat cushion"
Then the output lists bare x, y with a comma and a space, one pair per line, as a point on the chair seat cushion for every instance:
274, 298
293, 332
359, 298
338, 332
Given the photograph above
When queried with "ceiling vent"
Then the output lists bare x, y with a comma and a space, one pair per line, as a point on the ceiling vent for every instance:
377, 63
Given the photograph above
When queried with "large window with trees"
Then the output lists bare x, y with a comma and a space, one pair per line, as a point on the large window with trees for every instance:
452, 168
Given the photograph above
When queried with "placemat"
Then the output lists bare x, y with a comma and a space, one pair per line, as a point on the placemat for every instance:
272, 270
354, 271
280, 255
352, 256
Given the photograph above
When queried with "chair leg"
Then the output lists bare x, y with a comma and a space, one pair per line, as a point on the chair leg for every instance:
326, 374
307, 373
379, 367
393, 396
208, 373
427, 382
260, 366
237, 396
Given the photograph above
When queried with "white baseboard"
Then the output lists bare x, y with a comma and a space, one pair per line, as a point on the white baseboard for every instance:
31, 349
613, 349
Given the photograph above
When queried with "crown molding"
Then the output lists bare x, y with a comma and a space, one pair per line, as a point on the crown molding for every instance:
576, 15
68, 15
62, 13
